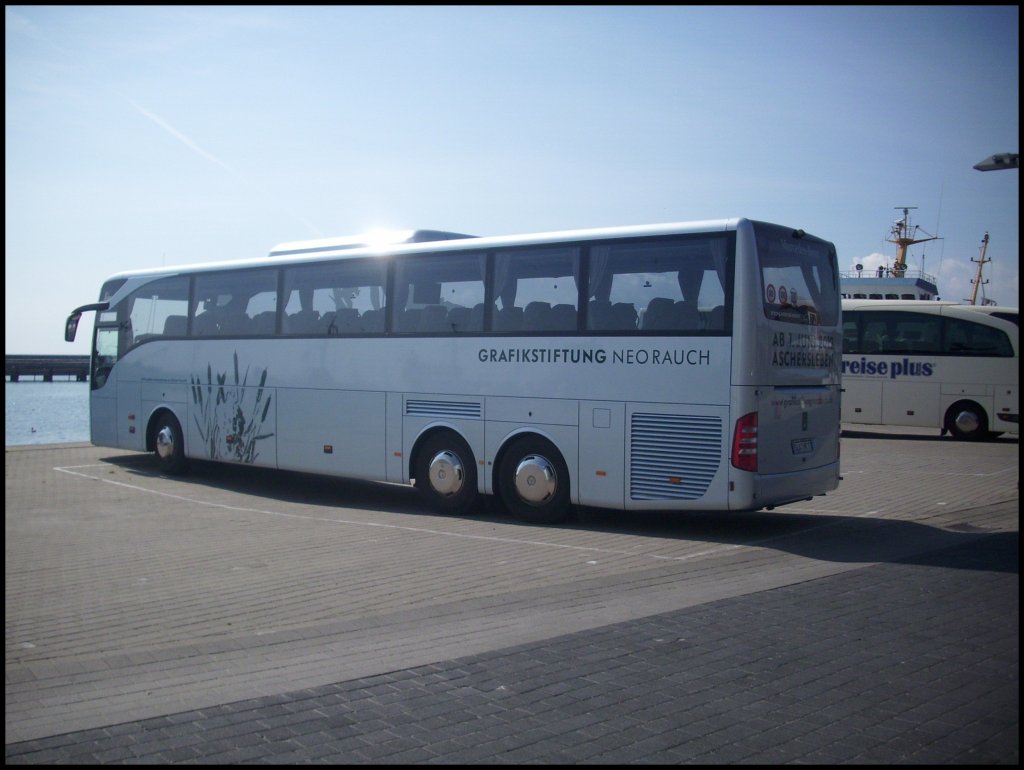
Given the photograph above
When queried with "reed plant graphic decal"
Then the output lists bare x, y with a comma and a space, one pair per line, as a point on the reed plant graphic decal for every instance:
231, 419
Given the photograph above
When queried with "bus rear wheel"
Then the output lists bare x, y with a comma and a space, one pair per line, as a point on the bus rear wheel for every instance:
966, 421
445, 473
169, 445
533, 481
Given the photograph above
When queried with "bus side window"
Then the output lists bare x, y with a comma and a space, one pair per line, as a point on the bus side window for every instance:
972, 339
956, 336
175, 326
873, 341
930, 333
372, 321
535, 289
876, 333
537, 317
227, 303
303, 322
428, 290
151, 309
508, 319
334, 299
716, 319
234, 321
672, 285
850, 341
659, 314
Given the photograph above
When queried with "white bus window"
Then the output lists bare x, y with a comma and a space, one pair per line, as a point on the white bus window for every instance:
851, 339
672, 285
535, 290
917, 333
234, 304
893, 332
442, 294
337, 299
157, 309
964, 338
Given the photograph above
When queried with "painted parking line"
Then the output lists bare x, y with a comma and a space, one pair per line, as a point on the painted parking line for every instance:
79, 471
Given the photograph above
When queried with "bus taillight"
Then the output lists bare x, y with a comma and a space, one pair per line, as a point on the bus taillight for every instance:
744, 443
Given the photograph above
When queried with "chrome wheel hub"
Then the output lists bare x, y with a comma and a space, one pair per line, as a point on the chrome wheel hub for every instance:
535, 480
446, 473
165, 442
968, 422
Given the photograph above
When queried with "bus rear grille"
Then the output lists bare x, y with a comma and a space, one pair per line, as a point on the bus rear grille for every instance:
467, 410
673, 457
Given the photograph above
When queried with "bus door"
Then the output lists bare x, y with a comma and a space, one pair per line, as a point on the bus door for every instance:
103, 394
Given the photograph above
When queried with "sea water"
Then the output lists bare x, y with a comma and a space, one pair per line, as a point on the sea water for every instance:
37, 412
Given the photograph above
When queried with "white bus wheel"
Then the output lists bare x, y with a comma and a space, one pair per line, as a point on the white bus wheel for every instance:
533, 481
169, 444
966, 421
445, 473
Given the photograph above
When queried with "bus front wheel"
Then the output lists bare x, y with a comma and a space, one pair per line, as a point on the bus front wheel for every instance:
169, 445
966, 421
445, 473
533, 481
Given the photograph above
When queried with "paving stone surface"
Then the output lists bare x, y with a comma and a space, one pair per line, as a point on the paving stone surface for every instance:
233, 617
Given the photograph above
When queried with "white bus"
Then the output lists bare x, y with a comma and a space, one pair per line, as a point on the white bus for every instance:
676, 366
931, 364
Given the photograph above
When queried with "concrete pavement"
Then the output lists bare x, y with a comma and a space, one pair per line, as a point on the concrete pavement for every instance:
251, 616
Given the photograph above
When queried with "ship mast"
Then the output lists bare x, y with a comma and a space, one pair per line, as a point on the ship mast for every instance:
904, 236
981, 264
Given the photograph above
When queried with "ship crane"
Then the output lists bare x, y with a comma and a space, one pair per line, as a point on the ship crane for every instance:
904, 235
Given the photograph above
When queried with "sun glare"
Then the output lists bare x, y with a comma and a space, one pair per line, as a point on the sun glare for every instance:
379, 237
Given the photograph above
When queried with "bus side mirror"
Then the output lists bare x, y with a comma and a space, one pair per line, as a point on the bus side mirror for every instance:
71, 327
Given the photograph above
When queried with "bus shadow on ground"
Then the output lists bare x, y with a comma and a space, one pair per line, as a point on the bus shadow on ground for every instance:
821, 536
882, 434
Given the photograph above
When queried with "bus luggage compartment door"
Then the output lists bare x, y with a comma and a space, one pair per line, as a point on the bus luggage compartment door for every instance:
602, 453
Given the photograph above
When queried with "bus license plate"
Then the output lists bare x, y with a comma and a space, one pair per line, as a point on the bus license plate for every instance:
802, 446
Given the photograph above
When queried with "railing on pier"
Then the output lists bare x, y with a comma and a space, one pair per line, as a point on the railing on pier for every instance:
887, 272
47, 367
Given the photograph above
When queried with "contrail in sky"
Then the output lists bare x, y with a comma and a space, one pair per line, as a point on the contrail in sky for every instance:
181, 137
212, 158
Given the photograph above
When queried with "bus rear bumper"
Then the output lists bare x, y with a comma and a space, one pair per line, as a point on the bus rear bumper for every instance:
777, 488
1007, 423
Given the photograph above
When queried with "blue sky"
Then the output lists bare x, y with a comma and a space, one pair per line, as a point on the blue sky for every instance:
149, 136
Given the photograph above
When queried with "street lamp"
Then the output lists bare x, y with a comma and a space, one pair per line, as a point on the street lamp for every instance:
999, 162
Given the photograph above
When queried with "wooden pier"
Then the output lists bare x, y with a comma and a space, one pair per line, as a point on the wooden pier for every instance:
47, 367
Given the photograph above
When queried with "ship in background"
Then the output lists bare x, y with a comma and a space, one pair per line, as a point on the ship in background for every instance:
895, 281
898, 281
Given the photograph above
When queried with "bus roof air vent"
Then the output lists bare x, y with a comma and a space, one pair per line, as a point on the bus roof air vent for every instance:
372, 238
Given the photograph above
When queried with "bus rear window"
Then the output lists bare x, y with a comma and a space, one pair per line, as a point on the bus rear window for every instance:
798, 282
